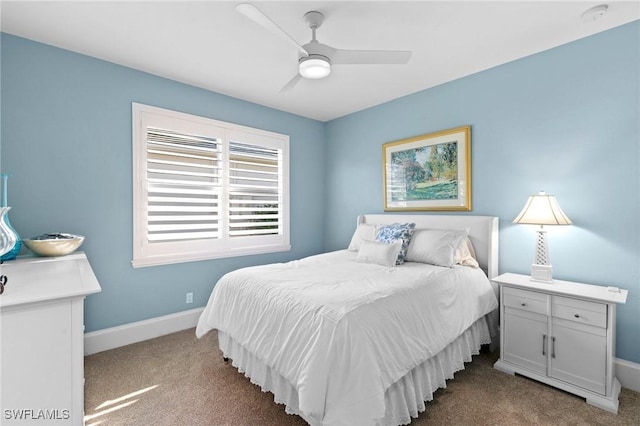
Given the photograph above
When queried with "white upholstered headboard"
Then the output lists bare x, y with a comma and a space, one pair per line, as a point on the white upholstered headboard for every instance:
483, 232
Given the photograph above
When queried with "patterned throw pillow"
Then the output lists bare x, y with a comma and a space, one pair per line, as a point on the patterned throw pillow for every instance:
394, 232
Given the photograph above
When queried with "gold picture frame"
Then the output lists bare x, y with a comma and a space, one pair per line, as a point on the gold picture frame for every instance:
428, 172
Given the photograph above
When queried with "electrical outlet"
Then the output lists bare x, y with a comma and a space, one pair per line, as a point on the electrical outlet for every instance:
189, 297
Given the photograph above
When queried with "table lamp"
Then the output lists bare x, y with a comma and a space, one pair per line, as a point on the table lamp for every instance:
542, 209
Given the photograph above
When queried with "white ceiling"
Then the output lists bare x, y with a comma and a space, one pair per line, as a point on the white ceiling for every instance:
210, 45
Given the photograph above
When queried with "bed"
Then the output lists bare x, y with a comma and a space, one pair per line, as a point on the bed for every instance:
363, 335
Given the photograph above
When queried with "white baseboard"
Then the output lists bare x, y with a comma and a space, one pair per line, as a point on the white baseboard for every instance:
628, 373
114, 337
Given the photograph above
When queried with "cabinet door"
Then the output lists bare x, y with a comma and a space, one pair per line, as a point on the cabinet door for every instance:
579, 354
525, 339
36, 364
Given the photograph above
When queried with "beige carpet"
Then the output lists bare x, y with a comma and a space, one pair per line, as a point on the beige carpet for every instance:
180, 380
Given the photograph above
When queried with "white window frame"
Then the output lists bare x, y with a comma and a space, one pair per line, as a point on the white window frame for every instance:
147, 253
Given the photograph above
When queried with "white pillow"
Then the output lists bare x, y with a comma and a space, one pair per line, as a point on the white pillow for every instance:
465, 254
377, 252
435, 246
364, 231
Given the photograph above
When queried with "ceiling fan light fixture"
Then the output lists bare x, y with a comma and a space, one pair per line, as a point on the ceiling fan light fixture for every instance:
315, 66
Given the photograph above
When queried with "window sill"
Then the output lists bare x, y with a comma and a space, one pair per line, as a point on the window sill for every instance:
196, 257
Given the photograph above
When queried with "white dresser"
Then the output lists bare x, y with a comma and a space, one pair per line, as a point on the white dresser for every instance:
41, 336
562, 334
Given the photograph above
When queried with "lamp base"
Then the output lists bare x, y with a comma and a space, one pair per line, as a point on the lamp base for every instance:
541, 273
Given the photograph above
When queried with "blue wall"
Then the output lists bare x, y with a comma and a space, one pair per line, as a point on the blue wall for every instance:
66, 140
566, 121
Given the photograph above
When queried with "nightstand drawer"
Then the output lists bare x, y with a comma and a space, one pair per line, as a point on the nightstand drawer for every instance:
530, 301
582, 311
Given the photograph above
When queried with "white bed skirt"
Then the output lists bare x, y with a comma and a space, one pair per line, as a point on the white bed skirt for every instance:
404, 399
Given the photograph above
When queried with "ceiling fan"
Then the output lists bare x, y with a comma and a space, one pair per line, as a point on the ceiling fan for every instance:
315, 59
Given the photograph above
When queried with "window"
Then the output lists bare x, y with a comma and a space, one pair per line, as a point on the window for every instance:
205, 189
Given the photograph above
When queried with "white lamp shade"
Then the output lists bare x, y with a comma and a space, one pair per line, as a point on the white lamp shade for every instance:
315, 66
542, 209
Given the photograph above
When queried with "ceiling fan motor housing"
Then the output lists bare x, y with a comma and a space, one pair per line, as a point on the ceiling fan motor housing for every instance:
316, 48
318, 63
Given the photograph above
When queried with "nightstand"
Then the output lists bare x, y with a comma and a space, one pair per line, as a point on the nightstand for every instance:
561, 334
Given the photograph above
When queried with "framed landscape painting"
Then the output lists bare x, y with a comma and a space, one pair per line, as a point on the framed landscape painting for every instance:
428, 172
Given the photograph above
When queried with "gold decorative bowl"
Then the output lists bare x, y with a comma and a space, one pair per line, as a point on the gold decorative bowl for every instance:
54, 244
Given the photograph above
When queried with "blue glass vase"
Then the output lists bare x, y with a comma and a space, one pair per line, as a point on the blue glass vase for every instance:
13, 252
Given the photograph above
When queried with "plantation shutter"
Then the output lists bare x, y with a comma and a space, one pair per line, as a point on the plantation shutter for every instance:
255, 188
206, 189
184, 186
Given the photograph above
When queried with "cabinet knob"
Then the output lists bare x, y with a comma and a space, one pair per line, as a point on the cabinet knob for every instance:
523, 304
576, 315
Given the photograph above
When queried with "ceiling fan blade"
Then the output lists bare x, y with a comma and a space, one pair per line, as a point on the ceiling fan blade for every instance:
348, 57
256, 15
291, 83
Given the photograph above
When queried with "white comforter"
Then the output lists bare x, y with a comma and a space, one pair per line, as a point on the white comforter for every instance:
342, 332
